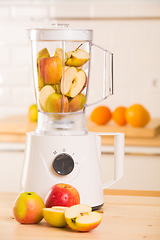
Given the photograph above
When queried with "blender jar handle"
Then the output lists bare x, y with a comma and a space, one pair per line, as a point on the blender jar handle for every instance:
107, 74
118, 156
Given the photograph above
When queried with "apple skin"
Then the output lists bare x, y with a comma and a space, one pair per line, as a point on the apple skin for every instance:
81, 218
44, 94
77, 58
28, 208
55, 216
56, 103
51, 69
62, 194
43, 53
77, 103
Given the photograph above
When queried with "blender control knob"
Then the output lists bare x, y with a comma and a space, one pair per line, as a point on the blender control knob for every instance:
63, 164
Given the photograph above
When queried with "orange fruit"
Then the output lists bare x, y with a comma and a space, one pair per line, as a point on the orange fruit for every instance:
137, 115
119, 116
101, 115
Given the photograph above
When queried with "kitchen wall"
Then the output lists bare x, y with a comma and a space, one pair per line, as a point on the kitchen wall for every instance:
130, 29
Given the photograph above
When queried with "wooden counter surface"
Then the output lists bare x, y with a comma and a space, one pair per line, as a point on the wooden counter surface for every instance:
124, 218
14, 129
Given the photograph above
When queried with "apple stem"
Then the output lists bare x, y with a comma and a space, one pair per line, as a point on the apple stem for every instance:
78, 47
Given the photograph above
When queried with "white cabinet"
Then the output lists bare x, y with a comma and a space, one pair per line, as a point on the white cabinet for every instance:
141, 172
11, 163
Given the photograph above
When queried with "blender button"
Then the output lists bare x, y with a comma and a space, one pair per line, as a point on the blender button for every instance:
63, 164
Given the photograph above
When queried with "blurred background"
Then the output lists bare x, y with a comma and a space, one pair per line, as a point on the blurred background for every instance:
130, 29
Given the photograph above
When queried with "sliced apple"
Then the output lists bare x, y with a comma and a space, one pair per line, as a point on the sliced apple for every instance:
44, 94
77, 58
81, 218
43, 53
74, 82
59, 53
55, 216
56, 103
77, 103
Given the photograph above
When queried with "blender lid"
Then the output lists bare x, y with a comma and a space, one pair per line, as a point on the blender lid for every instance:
60, 34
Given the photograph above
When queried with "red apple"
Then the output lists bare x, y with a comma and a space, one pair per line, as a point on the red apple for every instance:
51, 69
62, 194
28, 208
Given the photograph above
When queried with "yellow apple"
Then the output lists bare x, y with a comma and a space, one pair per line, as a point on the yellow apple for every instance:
74, 82
28, 208
33, 113
77, 103
55, 216
44, 94
51, 69
81, 218
77, 58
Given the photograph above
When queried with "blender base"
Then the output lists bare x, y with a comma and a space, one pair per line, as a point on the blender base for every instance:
74, 160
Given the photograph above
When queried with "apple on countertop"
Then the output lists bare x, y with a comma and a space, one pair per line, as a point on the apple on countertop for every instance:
62, 194
28, 208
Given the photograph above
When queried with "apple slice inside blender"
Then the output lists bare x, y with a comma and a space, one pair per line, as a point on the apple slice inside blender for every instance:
56, 103
44, 94
77, 103
59, 53
77, 58
74, 82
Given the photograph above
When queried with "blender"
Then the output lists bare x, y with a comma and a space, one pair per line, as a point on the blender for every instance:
61, 150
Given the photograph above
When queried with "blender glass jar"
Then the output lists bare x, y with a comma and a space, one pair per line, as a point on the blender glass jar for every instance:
61, 69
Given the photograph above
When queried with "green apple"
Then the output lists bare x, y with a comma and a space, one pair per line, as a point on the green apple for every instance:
77, 58
51, 69
81, 218
55, 216
28, 208
77, 103
56, 103
43, 53
44, 94
74, 82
